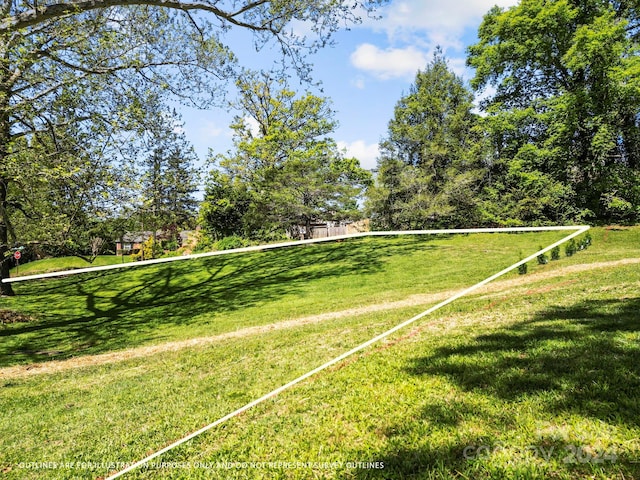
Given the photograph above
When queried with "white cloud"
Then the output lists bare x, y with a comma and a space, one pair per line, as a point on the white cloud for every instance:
399, 63
210, 129
440, 21
414, 28
390, 62
366, 153
254, 126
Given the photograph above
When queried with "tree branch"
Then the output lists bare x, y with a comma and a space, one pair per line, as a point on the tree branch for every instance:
55, 11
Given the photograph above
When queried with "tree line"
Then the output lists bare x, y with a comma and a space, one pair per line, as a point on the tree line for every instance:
557, 140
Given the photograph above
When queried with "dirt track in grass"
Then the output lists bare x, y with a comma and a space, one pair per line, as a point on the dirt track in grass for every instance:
501, 286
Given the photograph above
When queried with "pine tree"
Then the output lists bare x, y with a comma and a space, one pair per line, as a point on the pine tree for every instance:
429, 169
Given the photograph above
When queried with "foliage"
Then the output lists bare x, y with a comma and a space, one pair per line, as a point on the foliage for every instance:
522, 196
151, 248
61, 196
164, 199
570, 248
542, 259
229, 243
430, 169
555, 253
585, 242
226, 202
204, 244
286, 174
563, 120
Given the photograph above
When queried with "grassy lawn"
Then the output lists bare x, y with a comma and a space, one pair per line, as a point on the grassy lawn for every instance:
65, 263
539, 379
95, 313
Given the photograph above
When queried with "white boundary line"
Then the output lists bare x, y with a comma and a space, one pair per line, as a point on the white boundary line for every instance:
283, 245
580, 230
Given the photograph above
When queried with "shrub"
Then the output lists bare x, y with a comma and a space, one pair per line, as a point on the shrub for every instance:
585, 242
522, 269
150, 249
542, 258
170, 245
555, 253
228, 243
570, 248
203, 244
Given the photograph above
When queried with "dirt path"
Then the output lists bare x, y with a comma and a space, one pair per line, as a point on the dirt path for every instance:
500, 286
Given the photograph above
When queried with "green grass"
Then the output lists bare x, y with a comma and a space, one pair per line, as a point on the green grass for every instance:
538, 381
48, 265
95, 313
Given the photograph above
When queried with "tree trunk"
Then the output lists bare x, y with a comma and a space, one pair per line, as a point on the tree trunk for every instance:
5, 135
5, 262
5, 138
308, 234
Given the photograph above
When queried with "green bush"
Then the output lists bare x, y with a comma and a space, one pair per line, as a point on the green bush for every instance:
585, 242
204, 243
555, 253
228, 243
570, 248
170, 245
522, 269
150, 249
543, 259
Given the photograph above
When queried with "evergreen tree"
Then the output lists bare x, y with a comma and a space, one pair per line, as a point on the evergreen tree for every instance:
430, 166
169, 178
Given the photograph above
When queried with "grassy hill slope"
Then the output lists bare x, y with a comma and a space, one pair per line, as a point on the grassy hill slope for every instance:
536, 376
47, 265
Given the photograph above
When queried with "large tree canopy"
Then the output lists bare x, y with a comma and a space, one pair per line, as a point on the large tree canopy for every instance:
565, 116
87, 64
286, 172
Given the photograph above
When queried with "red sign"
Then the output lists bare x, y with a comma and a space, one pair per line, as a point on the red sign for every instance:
17, 255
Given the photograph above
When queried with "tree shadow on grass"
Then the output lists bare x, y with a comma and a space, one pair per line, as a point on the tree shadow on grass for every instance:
115, 309
582, 360
581, 353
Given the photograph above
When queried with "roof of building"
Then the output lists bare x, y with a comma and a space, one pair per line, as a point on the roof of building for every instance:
136, 237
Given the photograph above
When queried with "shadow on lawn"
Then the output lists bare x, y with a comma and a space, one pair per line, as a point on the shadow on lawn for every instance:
175, 293
580, 360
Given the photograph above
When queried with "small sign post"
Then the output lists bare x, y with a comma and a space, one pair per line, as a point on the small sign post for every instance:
17, 255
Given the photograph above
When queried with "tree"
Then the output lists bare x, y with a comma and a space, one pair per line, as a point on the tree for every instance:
566, 102
286, 174
225, 204
168, 176
78, 62
430, 167
61, 196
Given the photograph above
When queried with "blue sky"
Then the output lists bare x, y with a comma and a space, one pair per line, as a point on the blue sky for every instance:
366, 72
